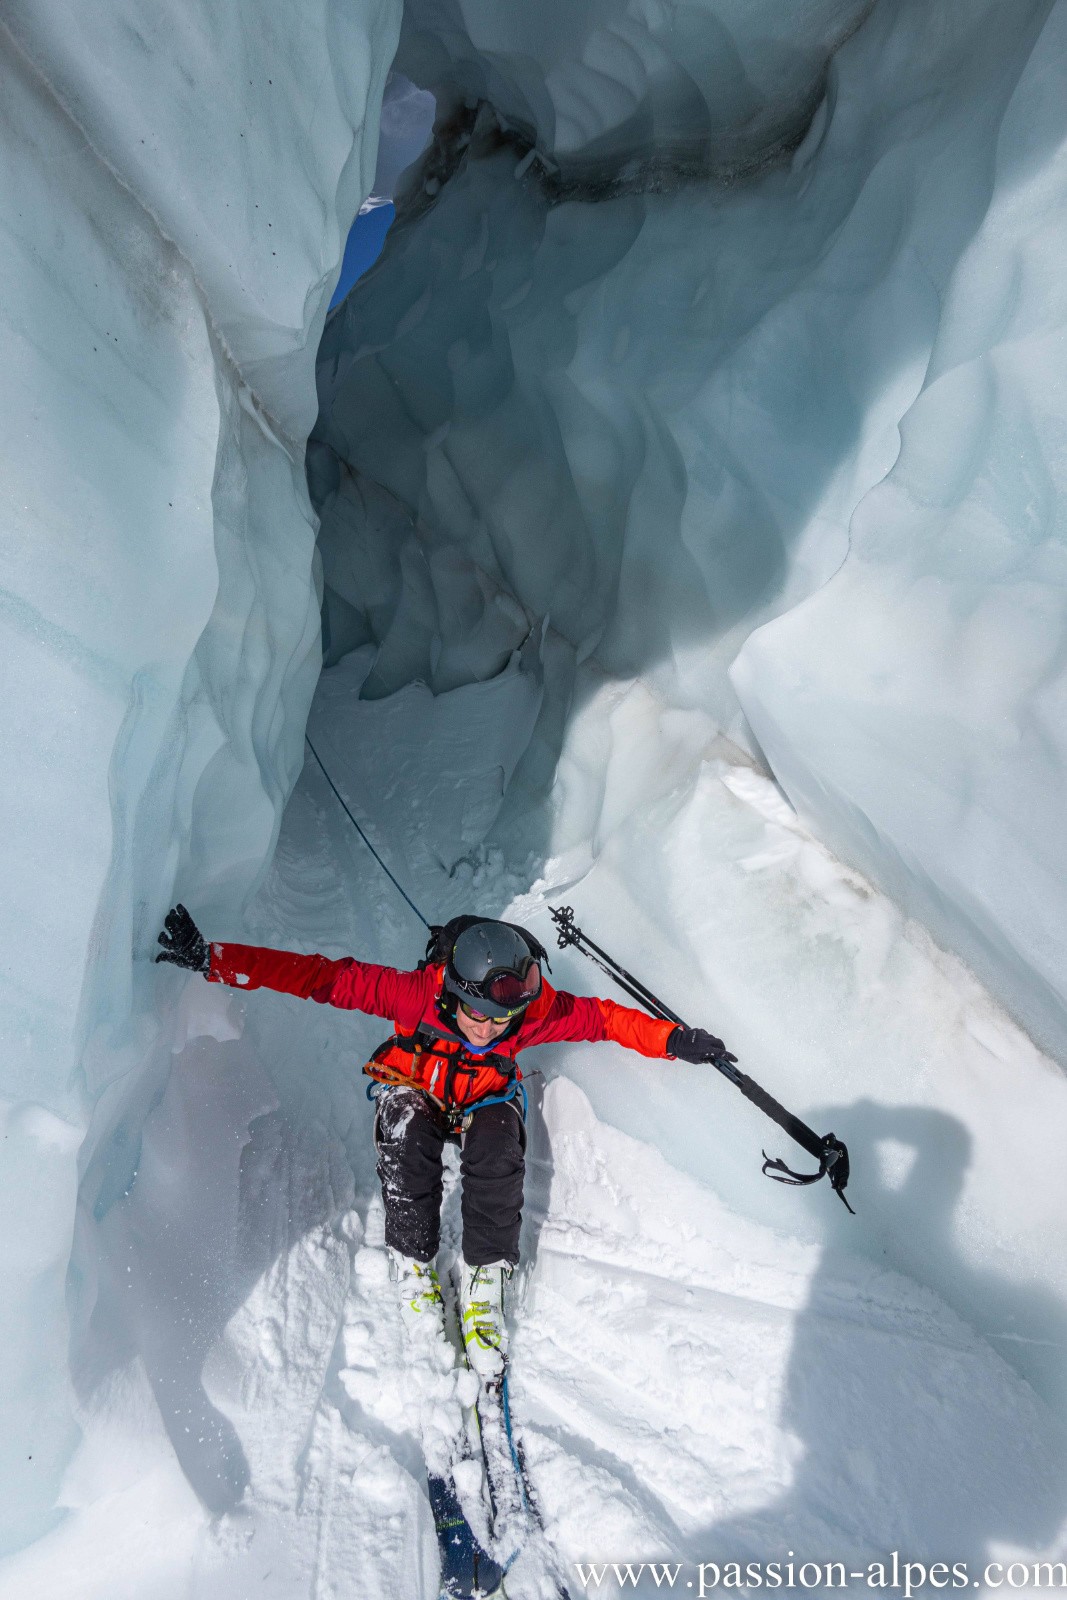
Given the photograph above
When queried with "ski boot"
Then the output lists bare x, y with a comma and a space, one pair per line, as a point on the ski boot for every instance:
419, 1291
481, 1307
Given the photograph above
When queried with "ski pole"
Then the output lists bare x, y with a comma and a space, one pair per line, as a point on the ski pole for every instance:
831, 1153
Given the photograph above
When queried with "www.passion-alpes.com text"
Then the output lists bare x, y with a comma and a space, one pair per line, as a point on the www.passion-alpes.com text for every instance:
896, 1574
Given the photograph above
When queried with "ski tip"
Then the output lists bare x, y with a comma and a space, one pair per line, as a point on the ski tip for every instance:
467, 1571
499, 1593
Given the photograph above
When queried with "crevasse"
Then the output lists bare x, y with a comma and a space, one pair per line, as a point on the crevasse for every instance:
700, 423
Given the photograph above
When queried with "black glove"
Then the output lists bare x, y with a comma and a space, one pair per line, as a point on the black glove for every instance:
694, 1044
183, 943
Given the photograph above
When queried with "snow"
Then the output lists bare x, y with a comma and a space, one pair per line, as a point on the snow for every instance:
652, 1313
689, 551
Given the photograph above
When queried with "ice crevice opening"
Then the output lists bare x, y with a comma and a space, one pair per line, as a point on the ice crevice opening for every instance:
623, 503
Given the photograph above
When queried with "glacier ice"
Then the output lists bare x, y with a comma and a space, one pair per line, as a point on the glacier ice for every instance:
929, 739
405, 130
633, 88
165, 275
700, 422
663, 420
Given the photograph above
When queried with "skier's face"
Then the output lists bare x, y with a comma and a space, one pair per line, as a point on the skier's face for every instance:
482, 1030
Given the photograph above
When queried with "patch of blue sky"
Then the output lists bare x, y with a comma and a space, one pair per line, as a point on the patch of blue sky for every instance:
365, 240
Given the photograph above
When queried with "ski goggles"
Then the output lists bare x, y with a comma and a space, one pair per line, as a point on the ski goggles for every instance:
510, 989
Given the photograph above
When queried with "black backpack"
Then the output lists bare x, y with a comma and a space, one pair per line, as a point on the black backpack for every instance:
443, 936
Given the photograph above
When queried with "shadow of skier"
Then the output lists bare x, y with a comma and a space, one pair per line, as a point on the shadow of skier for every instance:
916, 1435
226, 1191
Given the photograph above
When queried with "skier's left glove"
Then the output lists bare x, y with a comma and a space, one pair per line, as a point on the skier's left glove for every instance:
696, 1045
183, 943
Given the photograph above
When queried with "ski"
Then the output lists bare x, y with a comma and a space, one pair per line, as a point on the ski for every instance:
515, 1515
467, 1571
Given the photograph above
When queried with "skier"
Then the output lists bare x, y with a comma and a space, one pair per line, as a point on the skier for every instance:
449, 1073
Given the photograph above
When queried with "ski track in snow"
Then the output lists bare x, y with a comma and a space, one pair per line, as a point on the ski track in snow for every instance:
699, 1373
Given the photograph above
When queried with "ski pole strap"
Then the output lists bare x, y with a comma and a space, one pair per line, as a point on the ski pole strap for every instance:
833, 1164
830, 1152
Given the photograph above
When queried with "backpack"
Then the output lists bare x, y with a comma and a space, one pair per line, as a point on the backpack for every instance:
443, 936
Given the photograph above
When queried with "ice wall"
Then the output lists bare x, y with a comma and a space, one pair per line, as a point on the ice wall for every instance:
617, 91
174, 190
661, 411
917, 705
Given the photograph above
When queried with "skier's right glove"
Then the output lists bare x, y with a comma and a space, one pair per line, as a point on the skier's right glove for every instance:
696, 1045
183, 943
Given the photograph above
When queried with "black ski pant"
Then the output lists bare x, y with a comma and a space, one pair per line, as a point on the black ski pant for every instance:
410, 1133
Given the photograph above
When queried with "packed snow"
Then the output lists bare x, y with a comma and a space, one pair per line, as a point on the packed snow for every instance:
684, 508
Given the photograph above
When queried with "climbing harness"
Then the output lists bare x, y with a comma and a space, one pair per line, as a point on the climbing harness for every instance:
460, 1116
431, 1044
829, 1152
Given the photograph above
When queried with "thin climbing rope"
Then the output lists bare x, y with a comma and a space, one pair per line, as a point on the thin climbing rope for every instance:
400, 890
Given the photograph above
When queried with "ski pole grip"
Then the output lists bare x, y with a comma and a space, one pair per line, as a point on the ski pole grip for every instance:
804, 1136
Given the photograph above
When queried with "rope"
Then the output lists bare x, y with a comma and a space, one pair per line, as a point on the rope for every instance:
363, 836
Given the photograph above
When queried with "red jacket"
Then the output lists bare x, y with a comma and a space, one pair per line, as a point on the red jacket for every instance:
445, 1068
